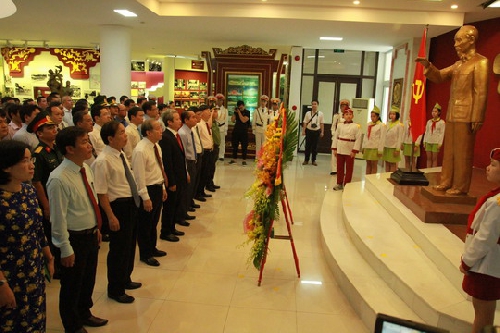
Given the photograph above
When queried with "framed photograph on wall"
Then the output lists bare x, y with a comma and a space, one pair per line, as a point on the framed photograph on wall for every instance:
397, 92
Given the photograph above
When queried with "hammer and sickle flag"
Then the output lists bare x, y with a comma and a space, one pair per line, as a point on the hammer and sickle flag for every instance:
417, 107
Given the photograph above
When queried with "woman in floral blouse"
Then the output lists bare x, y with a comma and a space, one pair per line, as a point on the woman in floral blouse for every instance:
24, 251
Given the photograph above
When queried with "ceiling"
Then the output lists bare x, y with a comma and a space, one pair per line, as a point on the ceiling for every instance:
187, 27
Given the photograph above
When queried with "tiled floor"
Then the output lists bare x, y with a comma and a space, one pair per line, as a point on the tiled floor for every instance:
205, 285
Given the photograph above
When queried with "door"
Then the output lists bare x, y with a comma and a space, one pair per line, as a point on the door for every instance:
330, 90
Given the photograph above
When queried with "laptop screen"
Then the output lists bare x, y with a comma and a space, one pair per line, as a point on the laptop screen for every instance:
389, 324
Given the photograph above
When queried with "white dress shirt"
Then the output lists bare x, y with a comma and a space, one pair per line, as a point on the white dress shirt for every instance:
206, 138
133, 138
109, 175
145, 167
95, 139
28, 138
68, 117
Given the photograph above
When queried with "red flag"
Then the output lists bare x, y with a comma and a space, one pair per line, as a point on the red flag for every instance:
417, 108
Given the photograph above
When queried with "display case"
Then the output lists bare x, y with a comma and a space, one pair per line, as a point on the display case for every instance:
190, 89
245, 87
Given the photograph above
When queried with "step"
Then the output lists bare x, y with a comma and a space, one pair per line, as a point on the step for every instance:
367, 292
401, 262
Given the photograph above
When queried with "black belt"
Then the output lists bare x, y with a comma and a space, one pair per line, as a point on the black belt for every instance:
83, 232
221, 124
155, 185
123, 200
259, 125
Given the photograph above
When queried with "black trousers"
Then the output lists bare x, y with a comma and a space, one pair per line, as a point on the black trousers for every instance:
312, 139
190, 191
199, 162
240, 136
205, 168
148, 221
77, 282
170, 209
122, 245
213, 161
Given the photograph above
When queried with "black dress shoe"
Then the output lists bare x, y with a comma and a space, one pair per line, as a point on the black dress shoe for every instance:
206, 195
151, 262
189, 217
93, 321
133, 285
191, 209
215, 186
333, 173
202, 199
105, 237
170, 238
123, 298
211, 189
179, 233
159, 253
183, 223
196, 205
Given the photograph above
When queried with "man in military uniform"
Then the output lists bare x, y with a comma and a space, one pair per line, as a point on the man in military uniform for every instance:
47, 159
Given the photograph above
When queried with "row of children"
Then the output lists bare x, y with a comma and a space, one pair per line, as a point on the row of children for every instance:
383, 141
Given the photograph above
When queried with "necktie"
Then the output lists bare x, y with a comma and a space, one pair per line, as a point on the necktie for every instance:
93, 150
139, 130
208, 128
91, 196
158, 159
179, 141
131, 181
194, 146
370, 130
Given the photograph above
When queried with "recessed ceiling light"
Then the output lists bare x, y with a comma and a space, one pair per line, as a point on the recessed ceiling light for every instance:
331, 38
264, 0
454, 6
125, 12
356, 2
494, 4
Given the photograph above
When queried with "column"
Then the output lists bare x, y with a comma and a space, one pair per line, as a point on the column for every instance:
115, 47
295, 61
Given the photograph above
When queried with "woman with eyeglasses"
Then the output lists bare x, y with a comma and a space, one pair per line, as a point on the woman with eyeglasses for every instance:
24, 252
481, 257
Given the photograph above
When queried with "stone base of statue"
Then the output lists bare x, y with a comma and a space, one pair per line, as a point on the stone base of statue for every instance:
406, 177
433, 206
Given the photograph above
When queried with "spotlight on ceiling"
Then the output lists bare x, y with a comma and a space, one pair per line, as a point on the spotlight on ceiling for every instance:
7, 8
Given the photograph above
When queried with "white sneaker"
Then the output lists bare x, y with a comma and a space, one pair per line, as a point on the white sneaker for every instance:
338, 187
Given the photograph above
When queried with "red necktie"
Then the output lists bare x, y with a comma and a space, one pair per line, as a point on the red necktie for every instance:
208, 128
158, 158
433, 126
179, 141
370, 130
91, 196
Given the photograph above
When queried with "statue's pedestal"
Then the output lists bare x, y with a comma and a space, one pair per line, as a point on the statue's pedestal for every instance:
433, 206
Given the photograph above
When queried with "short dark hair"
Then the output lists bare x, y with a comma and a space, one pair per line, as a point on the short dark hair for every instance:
39, 98
12, 152
82, 101
315, 100
185, 116
78, 116
204, 107
79, 108
109, 129
140, 99
67, 137
12, 108
147, 106
123, 98
27, 111
240, 102
193, 108
162, 106
95, 111
28, 101
128, 102
52, 104
133, 112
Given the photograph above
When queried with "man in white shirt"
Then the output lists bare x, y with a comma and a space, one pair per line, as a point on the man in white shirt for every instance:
222, 119
16, 122
313, 128
259, 122
57, 115
337, 119
205, 130
67, 103
100, 115
84, 120
119, 199
148, 171
136, 117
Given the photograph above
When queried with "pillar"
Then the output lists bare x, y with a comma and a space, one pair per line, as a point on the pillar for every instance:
115, 47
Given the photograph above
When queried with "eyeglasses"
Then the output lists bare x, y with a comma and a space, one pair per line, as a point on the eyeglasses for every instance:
29, 160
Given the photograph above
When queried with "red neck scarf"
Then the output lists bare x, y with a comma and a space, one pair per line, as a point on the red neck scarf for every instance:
481, 202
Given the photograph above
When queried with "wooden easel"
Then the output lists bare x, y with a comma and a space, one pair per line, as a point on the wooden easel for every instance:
289, 221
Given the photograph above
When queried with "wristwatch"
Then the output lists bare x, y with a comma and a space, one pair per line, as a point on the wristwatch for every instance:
2, 282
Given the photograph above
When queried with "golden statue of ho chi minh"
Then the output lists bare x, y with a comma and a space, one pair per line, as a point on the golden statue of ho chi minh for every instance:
466, 109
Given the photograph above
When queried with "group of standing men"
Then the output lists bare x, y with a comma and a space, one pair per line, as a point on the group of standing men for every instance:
116, 176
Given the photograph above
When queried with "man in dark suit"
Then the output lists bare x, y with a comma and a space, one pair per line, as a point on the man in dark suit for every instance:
174, 163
